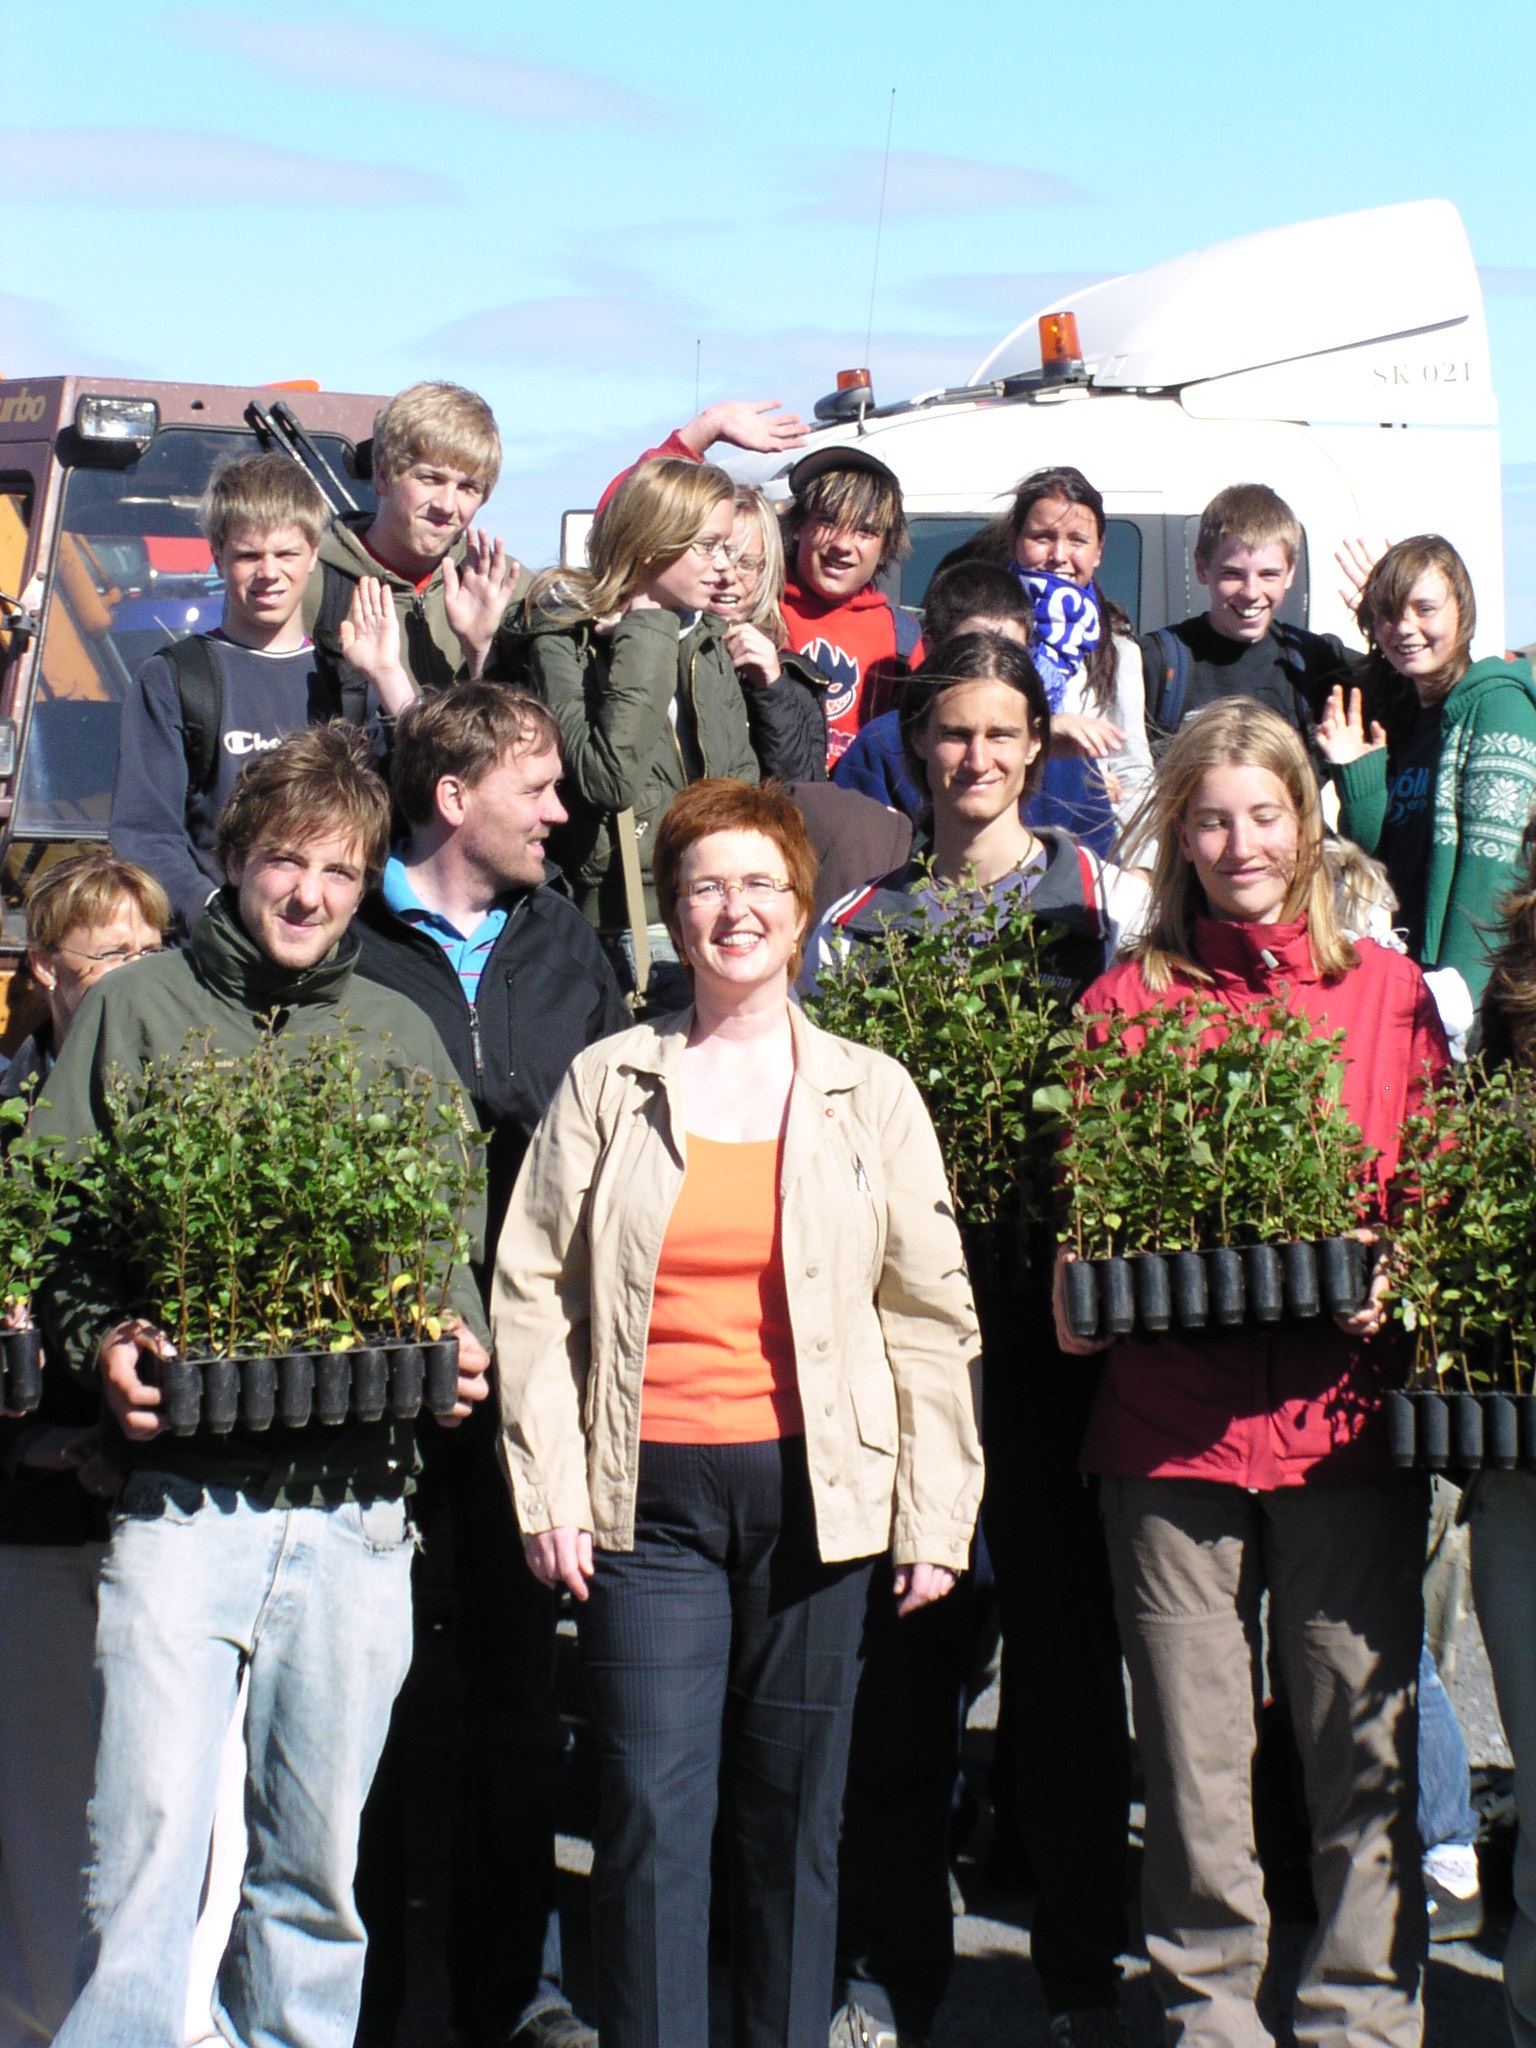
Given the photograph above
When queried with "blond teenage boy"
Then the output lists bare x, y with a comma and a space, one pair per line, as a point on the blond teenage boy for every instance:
1246, 555
410, 599
200, 708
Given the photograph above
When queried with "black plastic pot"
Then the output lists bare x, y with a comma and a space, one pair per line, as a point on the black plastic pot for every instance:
180, 1381
1341, 1270
1302, 1297
1117, 1297
1466, 1432
370, 1383
258, 1393
406, 1375
295, 1389
1154, 1293
333, 1386
1081, 1281
1434, 1420
1525, 1405
23, 1371
1501, 1432
440, 1362
1402, 1435
1191, 1296
1224, 1278
1265, 1276
221, 1394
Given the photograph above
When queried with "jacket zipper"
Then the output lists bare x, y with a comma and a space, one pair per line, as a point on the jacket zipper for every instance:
474, 1039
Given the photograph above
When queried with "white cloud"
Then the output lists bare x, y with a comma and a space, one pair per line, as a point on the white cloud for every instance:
920, 184
371, 58
1004, 297
118, 167
39, 340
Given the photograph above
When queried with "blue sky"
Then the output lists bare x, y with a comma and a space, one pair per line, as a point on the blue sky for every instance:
557, 204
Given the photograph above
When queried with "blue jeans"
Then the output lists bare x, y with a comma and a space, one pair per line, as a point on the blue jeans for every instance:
1445, 1779
197, 1584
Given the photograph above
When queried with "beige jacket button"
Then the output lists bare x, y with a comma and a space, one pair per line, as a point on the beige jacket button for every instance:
812, 1270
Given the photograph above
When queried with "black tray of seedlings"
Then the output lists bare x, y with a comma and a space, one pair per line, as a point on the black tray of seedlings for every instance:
1461, 1431
21, 1371
1223, 1288
291, 1389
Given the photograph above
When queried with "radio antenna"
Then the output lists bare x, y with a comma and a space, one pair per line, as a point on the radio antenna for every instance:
885, 171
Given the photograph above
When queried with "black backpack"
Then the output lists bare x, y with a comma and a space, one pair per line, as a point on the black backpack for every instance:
1167, 672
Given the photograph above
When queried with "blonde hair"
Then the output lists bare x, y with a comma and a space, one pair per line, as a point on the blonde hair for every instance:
86, 889
1237, 733
1360, 884
648, 522
260, 494
437, 422
764, 611
1254, 516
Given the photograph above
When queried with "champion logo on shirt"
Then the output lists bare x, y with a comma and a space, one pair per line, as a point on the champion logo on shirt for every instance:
250, 743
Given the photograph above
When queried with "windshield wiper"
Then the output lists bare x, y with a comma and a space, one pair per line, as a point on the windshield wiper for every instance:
279, 428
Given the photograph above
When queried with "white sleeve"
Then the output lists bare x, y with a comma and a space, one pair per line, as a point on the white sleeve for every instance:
1124, 902
1133, 763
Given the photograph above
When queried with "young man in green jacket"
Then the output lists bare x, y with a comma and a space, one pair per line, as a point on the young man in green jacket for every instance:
412, 600
284, 1554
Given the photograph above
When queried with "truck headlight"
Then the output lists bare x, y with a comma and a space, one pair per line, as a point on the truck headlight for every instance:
125, 422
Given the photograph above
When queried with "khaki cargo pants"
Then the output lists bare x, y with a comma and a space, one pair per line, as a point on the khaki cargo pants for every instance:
1343, 1567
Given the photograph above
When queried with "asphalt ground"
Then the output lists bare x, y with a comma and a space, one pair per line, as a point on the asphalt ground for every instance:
994, 1999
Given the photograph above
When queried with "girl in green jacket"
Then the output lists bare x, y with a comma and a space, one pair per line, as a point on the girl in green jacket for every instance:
1434, 755
628, 656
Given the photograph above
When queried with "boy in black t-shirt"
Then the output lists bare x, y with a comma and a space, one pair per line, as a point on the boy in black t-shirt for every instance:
1245, 555
199, 709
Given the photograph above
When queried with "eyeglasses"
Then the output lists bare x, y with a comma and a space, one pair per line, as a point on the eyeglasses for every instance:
753, 564
757, 891
116, 956
712, 547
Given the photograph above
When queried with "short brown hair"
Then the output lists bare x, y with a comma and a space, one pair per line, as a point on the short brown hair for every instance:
87, 888
259, 494
1386, 591
437, 422
851, 500
464, 732
312, 783
723, 805
1254, 516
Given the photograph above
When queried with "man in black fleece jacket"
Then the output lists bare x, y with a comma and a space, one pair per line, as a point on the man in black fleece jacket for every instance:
285, 1554
517, 983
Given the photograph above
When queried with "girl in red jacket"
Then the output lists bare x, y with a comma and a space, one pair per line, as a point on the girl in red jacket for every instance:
1235, 1462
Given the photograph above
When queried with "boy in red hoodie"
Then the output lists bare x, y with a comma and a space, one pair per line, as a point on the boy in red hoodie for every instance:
844, 523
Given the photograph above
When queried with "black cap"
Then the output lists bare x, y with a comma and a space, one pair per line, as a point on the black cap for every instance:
840, 455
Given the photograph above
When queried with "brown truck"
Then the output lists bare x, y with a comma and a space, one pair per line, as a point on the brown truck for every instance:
102, 562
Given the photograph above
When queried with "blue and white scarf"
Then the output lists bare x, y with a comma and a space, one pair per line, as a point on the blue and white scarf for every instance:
1067, 628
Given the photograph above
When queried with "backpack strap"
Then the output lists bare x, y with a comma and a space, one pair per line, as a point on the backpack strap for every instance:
909, 630
1092, 876
202, 703
851, 911
337, 590
1173, 678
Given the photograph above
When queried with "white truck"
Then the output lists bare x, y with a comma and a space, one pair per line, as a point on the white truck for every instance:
1344, 362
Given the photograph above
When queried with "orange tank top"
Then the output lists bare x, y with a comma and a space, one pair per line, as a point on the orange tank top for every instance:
720, 1355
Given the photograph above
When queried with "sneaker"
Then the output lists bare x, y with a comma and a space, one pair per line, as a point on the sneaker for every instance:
1096, 2026
555, 2027
853, 2027
1451, 1918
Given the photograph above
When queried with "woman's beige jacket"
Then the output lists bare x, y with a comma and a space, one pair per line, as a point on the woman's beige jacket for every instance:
884, 1327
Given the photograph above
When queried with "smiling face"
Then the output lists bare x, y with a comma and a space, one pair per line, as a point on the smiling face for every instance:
1421, 641
695, 581
264, 578
1247, 587
837, 561
736, 947
976, 746
743, 569
1241, 835
504, 819
298, 897
1061, 538
422, 513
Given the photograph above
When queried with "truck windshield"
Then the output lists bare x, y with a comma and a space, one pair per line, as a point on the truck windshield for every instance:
131, 572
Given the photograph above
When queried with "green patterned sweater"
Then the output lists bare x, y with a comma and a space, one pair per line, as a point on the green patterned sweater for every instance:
1485, 787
